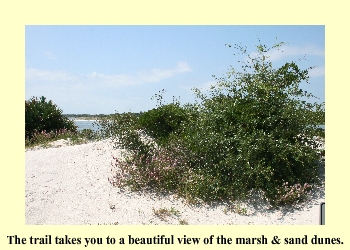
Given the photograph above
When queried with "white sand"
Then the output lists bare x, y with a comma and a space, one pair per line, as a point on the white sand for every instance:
69, 185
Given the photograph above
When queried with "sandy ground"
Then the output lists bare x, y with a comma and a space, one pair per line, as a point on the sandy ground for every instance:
68, 185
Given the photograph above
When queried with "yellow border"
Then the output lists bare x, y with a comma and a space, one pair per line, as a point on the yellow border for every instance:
16, 14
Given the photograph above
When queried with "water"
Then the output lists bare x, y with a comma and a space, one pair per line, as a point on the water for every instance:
322, 126
85, 124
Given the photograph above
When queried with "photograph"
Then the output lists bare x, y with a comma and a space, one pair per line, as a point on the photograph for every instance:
174, 125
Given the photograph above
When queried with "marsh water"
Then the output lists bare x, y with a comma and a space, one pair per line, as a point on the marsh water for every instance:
86, 124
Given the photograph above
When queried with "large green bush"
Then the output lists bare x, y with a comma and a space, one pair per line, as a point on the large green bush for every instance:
255, 130
44, 116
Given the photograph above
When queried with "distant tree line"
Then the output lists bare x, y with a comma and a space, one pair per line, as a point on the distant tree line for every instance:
97, 115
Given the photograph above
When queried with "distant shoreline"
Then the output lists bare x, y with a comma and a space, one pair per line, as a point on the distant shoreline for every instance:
83, 118
87, 117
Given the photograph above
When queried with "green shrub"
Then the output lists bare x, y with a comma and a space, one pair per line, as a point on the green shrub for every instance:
127, 133
253, 131
43, 116
161, 122
88, 133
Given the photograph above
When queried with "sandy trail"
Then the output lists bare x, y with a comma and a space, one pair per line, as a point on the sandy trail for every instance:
69, 185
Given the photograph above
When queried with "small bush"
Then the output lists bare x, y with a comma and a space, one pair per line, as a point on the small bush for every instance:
164, 213
161, 122
127, 133
88, 134
160, 170
43, 116
44, 138
290, 194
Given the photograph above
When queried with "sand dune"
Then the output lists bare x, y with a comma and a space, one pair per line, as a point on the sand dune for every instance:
69, 185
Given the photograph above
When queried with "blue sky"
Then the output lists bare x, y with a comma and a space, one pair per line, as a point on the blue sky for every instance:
104, 69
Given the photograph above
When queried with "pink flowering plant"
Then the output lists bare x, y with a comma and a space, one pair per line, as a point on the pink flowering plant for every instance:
162, 170
291, 194
44, 137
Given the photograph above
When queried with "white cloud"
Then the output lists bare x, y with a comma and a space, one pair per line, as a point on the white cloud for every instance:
95, 91
183, 67
47, 75
157, 75
287, 51
154, 75
110, 80
99, 79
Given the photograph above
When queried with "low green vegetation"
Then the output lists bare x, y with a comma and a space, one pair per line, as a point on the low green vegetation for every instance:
44, 139
254, 130
164, 213
45, 123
